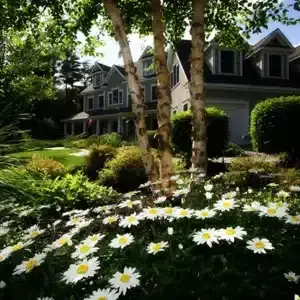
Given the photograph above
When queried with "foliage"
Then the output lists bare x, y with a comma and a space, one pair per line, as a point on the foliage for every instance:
272, 122
152, 138
126, 171
111, 139
233, 150
226, 270
97, 158
45, 165
217, 132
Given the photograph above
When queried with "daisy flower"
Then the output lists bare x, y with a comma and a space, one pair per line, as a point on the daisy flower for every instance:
130, 194
121, 241
225, 204
179, 181
209, 195
272, 184
84, 223
81, 213
259, 245
107, 294
74, 221
151, 213
229, 195
183, 213
168, 212
128, 279
68, 213
56, 223
272, 211
65, 239
154, 248
2, 284
143, 185
205, 213
282, 194
292, 277
6, 223
26, 212
19, 246
83, 269
206, 236
28, 265
208, 187
160, 199
181, 192
83, 250
94, 239
229, 234
129, 221
4, 255
295, 188
293, 219
254, 206
110, 219
4, 231
33, 232
102, 209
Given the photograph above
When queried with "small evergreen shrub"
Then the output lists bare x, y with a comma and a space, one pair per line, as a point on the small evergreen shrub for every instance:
97, 158
233, 150
217, 132
112, 139
273, 124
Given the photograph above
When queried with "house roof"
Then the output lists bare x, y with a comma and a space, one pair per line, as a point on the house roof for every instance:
98, 66
121, 69
250, 74
80, 116
295, 54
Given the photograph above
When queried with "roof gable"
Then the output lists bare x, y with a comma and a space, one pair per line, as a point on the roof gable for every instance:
113, 69
98, 67
295, 54
148, 52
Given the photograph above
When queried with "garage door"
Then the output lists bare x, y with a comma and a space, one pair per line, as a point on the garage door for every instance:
238, 113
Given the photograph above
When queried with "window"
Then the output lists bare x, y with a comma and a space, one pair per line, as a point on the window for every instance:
275, 65
154, 93
115, 126
101, 101
98, 79
174, 111
148, 68
115, 97
175, 76
227, 62
185, 107
90, 103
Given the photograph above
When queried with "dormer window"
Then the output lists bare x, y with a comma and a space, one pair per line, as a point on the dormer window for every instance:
227, 62
275, 65
98, 79
148, 68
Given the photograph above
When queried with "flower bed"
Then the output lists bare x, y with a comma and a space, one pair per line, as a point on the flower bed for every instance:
207, 242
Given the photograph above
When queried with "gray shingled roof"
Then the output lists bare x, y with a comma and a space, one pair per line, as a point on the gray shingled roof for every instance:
80, 116
295, 54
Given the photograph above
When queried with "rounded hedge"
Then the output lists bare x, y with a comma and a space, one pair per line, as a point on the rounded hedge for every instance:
274, 125
217, 132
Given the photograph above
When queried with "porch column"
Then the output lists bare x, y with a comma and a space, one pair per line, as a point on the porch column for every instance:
65, 129
108, 126
73, 128
98, 127
84, 127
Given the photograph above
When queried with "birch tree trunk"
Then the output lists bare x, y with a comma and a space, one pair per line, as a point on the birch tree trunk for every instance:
134, 88
164, 96
199, 136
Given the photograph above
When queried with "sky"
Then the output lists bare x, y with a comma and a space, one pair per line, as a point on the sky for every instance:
110, 50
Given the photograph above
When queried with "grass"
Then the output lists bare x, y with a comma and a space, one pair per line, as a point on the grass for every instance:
62, 156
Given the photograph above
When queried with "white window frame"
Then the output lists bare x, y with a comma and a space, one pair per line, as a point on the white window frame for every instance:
88, 102
101, 79
119, 102
234, 63
151, 71
282, 65
151, 99
172, 72
122, 99
110, 94
101, 95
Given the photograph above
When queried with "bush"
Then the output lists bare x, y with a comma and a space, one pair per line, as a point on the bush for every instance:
111, 139
126, 171
217, 132
233, 150
97, 158
152, 139
273, 124
45, 165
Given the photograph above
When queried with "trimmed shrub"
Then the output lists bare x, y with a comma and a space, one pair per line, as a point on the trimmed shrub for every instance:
233, 150
97, 158
46, 165
126, 171
152, 139
217, 132
273, 123
112, 139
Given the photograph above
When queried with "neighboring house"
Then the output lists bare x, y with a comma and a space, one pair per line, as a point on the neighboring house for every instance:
107, 103
234, 81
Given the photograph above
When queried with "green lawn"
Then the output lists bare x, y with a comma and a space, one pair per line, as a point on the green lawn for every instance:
62, 156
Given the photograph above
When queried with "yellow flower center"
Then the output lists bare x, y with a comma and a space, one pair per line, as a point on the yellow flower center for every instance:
204, 213
29, 265
123, 240
94, 238
230, 231
156, 247
183, 213
129, 203
295, 219
168, 210
131, 219
226, 204
82, 269
206, 236
111, 219
75, 220
17, 247
102, 298
1, 257
62, 241
35, 234
271, 211
84, 249
260, 245
125, 278
153, 211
